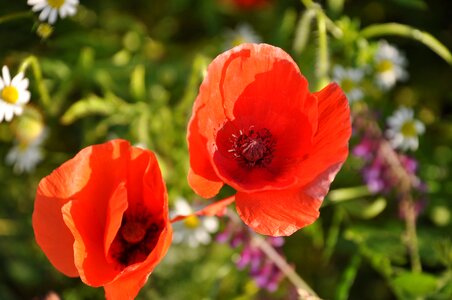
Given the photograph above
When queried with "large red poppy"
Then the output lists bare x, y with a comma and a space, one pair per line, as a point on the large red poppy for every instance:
257, 128
103, 216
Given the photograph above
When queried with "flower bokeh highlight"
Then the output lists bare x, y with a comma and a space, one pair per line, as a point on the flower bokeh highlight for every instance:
257, 128
103, 216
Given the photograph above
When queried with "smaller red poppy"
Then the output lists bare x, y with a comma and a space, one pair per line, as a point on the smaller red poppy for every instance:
103, 216
257, 128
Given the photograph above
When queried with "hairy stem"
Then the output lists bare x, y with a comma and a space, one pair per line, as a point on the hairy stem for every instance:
304, 290
397, 29
42, 89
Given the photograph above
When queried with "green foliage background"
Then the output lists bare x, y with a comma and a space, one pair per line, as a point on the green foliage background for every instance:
131, 69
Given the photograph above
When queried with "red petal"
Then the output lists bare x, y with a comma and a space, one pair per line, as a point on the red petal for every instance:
201, 176
330, 143
281, 213
99, 203
53, 192
127, 285
277, 213
116, 207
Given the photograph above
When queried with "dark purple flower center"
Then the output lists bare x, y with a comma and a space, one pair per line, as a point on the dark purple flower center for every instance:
136, 238
253, 148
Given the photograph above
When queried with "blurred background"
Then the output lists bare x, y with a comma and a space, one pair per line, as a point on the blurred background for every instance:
132, 69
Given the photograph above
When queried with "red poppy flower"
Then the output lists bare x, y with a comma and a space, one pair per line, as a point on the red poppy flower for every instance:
256, 127
103, 216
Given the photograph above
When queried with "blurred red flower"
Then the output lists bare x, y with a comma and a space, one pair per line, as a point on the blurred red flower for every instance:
103, 216
256, 127
250, 3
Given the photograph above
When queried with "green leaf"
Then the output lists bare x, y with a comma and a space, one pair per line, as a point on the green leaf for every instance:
411, 285
366, 209
416, 4
344, 194
92, 105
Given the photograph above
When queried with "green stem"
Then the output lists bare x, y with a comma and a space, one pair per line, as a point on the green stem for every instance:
304, 290
42, 89
323, 62
425, 38
15, 16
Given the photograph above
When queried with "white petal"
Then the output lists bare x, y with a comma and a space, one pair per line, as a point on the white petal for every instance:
210, 224
1, 84
182, 207
6, 75
24, 97
53, 16
45, 13
202, 236
17, 79
63, 12
23, 85
192, 241
413, 143
18, 110
9, 114
34, 2
39, 6
420, 127
71, 10
178, 237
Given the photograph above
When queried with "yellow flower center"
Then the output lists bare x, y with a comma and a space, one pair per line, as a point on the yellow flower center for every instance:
44, 30
55, 3
409, 129
192, 222
347, 85
385, 65
10, 94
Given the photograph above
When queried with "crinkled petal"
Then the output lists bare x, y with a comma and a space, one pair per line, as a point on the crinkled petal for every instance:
281, 213
330, 142
277, 213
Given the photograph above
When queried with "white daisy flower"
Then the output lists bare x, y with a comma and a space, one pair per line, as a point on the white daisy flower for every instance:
390, 65
404, 130
13, 94
194, 230
243, 33
349, 80
51, 8
24, 157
